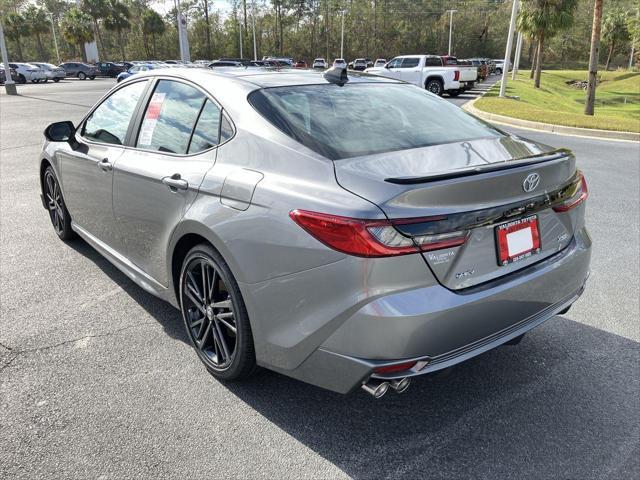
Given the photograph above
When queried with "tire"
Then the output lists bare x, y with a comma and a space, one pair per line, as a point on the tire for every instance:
92, 78
22, 79
58, 213
56, 80
82, 76
454, 93
435, 86
498, 71
210, 333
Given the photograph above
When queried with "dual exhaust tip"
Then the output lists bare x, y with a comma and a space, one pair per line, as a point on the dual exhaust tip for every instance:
378, 388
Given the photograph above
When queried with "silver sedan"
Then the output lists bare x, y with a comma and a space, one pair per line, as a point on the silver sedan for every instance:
344, 229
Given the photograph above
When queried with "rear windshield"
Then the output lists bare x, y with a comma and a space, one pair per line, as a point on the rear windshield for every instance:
365, 118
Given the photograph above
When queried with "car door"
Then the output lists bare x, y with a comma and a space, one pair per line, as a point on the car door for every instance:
157, 181
393, 68
410, 70
87, 168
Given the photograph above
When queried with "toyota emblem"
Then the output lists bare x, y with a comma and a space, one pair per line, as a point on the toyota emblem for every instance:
531, 182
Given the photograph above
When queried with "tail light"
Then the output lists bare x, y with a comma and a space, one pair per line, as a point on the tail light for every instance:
456, 75
398, 367
578, 194
371, 238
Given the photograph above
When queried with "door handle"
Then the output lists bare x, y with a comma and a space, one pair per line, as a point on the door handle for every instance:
174, 182
105, 165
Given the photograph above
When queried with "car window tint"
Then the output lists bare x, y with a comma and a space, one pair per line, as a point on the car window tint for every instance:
410, 62
170, 117
433, 62
109, 122
226, 130
207, 129
364, 119
395, 63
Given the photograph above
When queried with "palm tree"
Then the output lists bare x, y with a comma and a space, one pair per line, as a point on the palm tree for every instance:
152, 24
16, 27
543, 19
614, 31
117, 21
38, 24
76, 29
593, 58
97, 10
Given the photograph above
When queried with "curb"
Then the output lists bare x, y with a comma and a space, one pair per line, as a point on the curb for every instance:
548, 127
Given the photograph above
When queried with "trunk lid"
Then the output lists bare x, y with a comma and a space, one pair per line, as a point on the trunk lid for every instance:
473, 186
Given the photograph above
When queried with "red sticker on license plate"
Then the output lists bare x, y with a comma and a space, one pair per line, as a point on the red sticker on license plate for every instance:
517, 240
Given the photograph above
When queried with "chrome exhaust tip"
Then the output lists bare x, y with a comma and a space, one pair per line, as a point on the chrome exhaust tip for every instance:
377, 389
400, 385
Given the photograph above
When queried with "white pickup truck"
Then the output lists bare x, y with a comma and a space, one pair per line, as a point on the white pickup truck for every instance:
427, 71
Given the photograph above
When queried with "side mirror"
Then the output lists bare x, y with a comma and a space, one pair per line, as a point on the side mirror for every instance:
60, 131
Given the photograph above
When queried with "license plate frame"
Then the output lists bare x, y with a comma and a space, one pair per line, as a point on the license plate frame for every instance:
517, 240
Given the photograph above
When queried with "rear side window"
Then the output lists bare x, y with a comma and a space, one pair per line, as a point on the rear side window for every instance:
365, 119
433, 62
207, 131
170, 117
110, 121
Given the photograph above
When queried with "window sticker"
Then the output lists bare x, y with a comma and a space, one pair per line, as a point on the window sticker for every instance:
151, 118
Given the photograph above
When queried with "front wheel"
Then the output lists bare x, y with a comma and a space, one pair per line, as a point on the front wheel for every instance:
58, 213
215, 316
434, 86
82, 76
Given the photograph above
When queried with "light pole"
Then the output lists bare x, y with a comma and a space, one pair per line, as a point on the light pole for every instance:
450, 28
253, 22
507, 52
240, 35
9, 84
516, 59
55, 40
342, 38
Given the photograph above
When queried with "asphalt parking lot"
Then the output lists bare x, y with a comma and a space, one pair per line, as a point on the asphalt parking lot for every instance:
97, 379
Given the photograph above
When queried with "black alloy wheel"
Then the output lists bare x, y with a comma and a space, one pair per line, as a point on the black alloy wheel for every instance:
215, 316
435, 86
58, 213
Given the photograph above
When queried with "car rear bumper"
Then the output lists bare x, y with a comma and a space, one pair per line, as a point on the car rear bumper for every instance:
439, 328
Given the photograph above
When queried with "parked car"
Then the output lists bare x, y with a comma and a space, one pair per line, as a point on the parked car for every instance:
225, 63
468, 73
340, 62
482, 70
300, 64
360, 64
28, 73
12, 72
280, 61
320, 63
140, 67
109, 69
52, 72
82, 71
344, 233
425, 71
500, 66
380, 62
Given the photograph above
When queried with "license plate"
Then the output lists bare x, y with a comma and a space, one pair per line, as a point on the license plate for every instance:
517, 240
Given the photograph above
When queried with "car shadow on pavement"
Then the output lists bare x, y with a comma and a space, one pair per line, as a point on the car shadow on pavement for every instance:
165, 314
561, 405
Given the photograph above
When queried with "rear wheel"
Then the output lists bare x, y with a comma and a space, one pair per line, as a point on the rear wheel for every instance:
92, 77
498, 71
58, 213
215, 316
22, 79
82, 76
56, 80
434, 86
454, 93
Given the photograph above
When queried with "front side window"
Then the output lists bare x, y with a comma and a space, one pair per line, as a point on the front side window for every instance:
410, 62
365, 119
170, 117
395, 63
110, 121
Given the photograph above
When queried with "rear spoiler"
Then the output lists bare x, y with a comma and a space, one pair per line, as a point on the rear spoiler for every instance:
559, 154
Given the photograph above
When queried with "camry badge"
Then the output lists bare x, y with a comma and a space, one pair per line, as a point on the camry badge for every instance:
531, 182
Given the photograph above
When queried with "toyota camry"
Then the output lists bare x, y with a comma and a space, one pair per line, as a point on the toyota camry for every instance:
346, 230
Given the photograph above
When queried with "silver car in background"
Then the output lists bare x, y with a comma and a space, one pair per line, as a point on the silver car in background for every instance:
346, 230
51, 71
